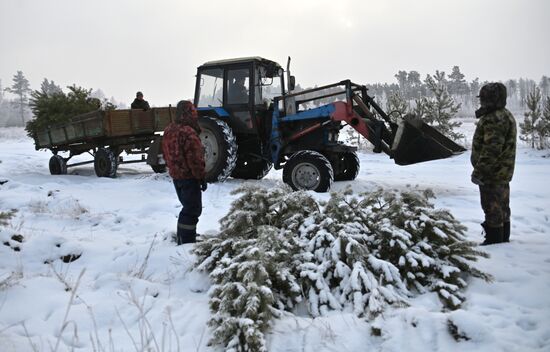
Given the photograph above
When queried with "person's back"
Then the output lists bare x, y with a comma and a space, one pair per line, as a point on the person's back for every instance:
140, 103
184, 155
183, 151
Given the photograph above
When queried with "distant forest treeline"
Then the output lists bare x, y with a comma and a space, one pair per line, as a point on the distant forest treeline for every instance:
409, 86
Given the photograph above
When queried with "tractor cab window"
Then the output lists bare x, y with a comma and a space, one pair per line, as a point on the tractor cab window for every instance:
238, 84
211, 88
268, 85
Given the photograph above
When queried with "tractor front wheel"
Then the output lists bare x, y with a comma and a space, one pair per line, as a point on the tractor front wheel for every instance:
308, 170
220, 148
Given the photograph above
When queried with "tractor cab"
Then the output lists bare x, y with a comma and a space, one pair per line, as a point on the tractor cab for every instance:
241, 91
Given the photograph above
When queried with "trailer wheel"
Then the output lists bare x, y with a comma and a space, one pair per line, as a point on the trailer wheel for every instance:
308, 170
105, 163
348, 166
159, 169
249, 167
58, 166
220, 148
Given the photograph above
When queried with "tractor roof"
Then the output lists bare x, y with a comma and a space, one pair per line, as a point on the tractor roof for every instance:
239, 60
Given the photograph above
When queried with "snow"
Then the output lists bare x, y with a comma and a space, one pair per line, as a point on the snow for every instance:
137, 286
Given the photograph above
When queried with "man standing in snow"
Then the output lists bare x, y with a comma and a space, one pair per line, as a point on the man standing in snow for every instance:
184, 155
140, 103
493, 158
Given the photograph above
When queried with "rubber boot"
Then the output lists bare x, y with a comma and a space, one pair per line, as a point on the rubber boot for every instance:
187, 238
185, 235
493, 235
506, 232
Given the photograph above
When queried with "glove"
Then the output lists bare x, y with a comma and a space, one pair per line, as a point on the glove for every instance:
204, 185
477, 181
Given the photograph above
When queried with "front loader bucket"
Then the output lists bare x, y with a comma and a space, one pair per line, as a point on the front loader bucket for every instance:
416, 141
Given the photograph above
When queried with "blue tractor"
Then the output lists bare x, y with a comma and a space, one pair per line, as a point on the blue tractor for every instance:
252, 120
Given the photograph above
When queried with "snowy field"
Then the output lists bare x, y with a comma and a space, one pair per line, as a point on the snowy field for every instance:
131, 281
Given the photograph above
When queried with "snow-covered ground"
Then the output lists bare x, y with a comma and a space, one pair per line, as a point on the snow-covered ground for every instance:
131, 282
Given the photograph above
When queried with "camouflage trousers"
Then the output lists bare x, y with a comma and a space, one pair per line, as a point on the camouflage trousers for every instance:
495, 202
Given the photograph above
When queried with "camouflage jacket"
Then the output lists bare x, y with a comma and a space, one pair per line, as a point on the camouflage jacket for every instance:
183, 152
494, 147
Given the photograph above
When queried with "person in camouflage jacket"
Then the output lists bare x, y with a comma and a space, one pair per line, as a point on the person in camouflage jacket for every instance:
184, 156
493, 158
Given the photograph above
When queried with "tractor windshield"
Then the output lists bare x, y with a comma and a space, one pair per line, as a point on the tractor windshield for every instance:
269, 85
210, 88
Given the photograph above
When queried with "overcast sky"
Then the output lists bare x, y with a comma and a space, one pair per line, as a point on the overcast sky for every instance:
122, 46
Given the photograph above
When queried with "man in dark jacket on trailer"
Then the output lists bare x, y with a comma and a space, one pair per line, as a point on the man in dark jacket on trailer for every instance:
493, 158
184, 155
140, 103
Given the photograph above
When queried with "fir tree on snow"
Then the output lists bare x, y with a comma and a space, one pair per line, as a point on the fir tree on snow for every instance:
360, 254
427, 245
338, 269
250, 264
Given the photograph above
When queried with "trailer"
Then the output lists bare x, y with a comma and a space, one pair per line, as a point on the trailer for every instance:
105, 135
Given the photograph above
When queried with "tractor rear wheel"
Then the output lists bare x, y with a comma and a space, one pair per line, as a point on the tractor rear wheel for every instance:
347, 166
105, 163
308, 170
220, 148
58, 166
249, 167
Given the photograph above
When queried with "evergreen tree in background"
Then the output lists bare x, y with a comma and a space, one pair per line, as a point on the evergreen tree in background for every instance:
439, 109
1, 93
414, 84
401, 77
475, 86
49, 88
397, 106
532, 123
545, 86
545, 125
21, 88
511, 87
457, 83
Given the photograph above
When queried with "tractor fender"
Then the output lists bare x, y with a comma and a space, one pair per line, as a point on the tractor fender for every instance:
216, 112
